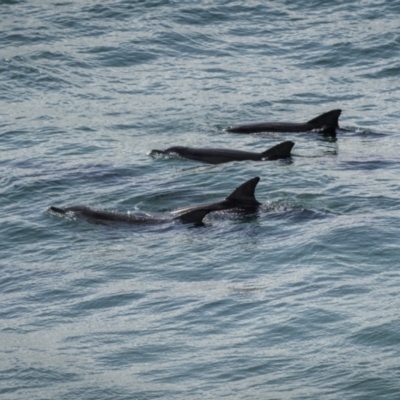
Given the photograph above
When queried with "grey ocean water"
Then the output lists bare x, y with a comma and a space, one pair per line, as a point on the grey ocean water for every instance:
298, 301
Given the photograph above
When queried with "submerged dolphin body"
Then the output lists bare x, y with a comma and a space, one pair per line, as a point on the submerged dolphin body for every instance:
219, 156
108, 216
242, 198
325, 123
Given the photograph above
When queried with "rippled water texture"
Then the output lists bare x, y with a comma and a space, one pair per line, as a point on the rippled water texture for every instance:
299, 300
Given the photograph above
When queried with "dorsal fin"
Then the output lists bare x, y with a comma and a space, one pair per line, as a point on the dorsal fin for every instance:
195, 216
245, 192
328, 119
281, 150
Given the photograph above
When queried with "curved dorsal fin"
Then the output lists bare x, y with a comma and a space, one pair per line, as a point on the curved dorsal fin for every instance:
281, 150
245, 192
328, 119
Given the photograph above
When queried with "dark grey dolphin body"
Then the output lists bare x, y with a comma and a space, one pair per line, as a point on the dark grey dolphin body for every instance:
108, 216
325, 123
242, 198
219, 156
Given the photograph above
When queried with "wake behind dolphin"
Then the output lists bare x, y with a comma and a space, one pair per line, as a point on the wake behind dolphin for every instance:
241, 198
219, 156
326, 123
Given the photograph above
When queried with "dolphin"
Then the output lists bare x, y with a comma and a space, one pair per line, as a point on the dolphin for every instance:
241, 198
219, 156
325, 123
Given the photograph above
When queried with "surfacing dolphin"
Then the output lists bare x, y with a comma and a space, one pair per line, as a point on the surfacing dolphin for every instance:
325, 123
219, 156
241, 198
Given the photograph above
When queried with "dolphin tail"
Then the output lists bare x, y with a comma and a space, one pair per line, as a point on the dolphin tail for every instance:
281, 150
327, 122
245, 193
195, 216
56, 210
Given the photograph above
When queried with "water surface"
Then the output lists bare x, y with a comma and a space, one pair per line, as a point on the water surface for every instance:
297, 301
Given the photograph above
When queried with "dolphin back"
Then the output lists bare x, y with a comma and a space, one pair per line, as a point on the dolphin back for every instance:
195, 216
95, 215
324, 123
